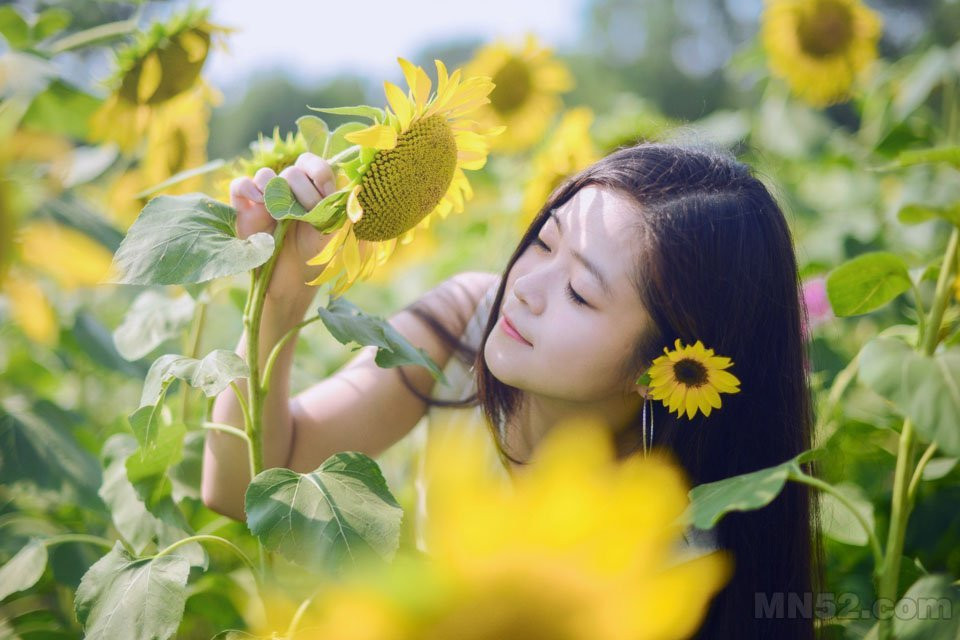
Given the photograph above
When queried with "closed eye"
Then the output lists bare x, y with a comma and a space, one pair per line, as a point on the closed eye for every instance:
570, 292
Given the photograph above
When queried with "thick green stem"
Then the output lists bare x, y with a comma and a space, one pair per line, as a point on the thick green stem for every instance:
208, 538
918, 472
901, 504
251, 323
842, 499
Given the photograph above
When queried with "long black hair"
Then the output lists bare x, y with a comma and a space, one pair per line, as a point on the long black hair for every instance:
717, 264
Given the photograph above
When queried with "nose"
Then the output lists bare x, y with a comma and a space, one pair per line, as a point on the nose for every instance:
526, 291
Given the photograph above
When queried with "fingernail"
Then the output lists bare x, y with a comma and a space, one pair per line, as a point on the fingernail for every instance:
253, 194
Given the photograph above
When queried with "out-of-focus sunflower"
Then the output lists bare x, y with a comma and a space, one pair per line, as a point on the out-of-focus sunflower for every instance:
177, 139
528, 82
691, 378
820, 46
161, 64
577, 547
410, 167
568, 150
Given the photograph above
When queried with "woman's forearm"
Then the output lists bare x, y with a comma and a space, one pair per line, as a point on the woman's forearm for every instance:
225, 458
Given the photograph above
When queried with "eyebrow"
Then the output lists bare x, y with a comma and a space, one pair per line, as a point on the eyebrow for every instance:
591, 267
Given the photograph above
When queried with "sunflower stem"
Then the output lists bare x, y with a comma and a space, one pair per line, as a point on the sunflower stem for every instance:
275, 352
902, 499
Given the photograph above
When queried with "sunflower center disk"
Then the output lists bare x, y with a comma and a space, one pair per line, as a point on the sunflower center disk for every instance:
179, 71
513, 84
690, 373
825, 29
404, 184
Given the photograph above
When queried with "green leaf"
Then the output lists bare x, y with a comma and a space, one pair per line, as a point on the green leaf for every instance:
315, 131
711, 501
362, 110
153, 319
186, 474
338, 142
927, 611
326, 519
347, 324
14, 28
837, 521
51, 22
866, 283
939, 468
948, 155
924, 388
917, 213
187, 239
212, 374
145, 421
36, 445
24, 569
133, 520
147, 466
280, 201
62, 109
138, 599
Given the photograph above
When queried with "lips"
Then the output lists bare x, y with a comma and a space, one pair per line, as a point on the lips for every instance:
512, 331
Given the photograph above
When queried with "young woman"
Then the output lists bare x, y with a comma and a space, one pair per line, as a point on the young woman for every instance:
651, 244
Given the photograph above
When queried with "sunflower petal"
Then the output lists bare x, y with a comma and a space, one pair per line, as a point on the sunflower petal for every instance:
328, 251
399, 103
151, 72
378, 136
354, 210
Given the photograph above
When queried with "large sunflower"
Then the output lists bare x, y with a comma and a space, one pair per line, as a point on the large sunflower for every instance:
569, 150
819, 46
410, 167
691, 378
528, 82
161, 64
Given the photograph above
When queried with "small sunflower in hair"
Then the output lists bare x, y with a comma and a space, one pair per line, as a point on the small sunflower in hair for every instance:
690, 378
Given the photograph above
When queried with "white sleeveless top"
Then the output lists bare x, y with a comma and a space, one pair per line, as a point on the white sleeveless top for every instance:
461, 385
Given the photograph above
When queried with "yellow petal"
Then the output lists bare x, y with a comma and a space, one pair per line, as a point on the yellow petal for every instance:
351, 255
30, 309
354, 210
151, 72
418, 80
328, 251
378, 136
399, 104
194, 45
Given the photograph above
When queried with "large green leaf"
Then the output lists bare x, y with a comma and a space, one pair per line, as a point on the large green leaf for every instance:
136, 599
928, 610
147, 467
924, 388
837, 521
153, 319
24, 569
315, 131
14, 28
709, 502
866, 282
328, 518
212, 374
347, 323
948, 155
187, 239
36, 446
137, 524
62, 109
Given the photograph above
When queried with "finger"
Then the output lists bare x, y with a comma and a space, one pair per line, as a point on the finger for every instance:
303, 189
243, 187
319, 172
263, 176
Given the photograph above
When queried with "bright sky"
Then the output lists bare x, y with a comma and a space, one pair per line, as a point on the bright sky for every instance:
322, 38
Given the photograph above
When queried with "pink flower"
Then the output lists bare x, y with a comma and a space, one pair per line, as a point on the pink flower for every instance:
817, 303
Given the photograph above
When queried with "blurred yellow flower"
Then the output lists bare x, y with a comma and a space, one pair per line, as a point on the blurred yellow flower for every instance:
819, 46
691, 378
71, 258
410, 168
528, 82
568, 150
578, 548
162, 63
29, 308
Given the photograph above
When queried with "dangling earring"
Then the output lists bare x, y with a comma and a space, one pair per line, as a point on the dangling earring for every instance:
647, 439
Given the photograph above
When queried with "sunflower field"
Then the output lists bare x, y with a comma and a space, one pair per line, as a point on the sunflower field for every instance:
125, 285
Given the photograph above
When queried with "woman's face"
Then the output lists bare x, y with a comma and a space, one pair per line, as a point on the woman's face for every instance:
574, 348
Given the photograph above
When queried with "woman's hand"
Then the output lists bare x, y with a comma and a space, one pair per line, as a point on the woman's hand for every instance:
311, 180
